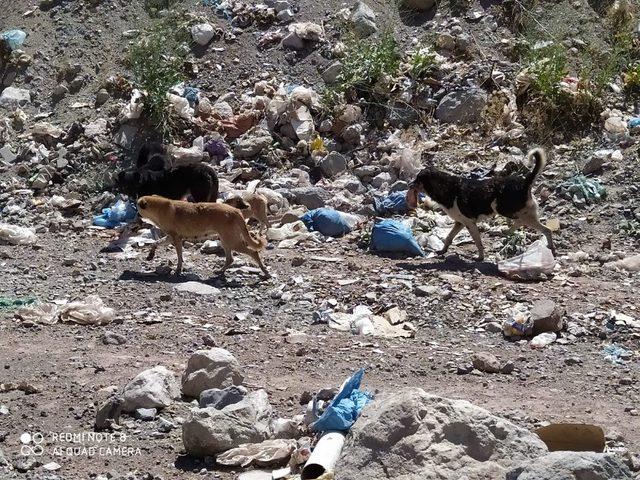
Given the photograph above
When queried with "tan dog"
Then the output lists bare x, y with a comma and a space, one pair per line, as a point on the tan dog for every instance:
199, 221
252, 205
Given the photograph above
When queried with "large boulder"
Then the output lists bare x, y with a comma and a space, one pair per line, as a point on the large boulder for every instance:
413, 435
422, 5
206, 369
572, 466
251, 146
154, 388
463, 106
209, 431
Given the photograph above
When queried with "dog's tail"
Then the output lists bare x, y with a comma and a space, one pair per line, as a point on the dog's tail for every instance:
257, 244
540, 157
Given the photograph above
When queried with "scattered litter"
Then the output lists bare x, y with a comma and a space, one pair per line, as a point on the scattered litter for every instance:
362, 321
13, 38
330, 222
91, 311
16, 235
583, 190
345, 407
616, 354
11, 303
324, 457
265, 454
534, 262
573, 437
290, 234
116, 215
395, 203
393, 236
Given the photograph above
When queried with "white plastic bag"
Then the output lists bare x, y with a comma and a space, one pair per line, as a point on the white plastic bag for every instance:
134, 108
193, 154
91, 311
407, 163
536, 260
16, 235
269, 452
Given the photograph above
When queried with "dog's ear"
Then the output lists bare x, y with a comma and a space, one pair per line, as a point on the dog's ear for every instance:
142, 204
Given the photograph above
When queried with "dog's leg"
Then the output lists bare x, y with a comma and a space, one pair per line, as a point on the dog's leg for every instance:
475, 234
177, 243
532, 221
228, 259
452, 234
163, 241
256, 258
516, 224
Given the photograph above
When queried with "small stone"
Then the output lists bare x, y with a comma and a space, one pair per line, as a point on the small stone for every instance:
59, 92
572, 361
363, 20
333, 164
330, 75
165, 426
464, 369
486, 362
15, 97
111, 338
198, 288
145, 414
626, 381
102, 97
202, 33
508, 368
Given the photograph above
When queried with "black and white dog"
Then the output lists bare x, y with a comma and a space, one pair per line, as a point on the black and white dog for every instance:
468, 200
155, 175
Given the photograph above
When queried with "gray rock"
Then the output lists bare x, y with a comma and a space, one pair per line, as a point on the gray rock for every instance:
111, 338
153, 388
419, 4
364, 20
572, 466
59, 92
486, 362
333, 164
145, 414
399, 186
206, 369
251, 146
310, 197
413, 435
13, 97
401, 115
546, 317
366, 171
330, 75
109, 413
293, 42
102, 97
286, 15
209, 431
3, 460
220, 398
380, 179
24, 464
165, 426
7, 154
463, 106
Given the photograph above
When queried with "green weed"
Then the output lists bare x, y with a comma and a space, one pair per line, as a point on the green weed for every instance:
364, 62
422, 62
156, 61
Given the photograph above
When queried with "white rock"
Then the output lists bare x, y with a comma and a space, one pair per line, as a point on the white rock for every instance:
197, 288
202, 33
206, 369
153, 388
15, 97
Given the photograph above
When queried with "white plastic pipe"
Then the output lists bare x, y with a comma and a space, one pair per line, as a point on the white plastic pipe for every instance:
324, 456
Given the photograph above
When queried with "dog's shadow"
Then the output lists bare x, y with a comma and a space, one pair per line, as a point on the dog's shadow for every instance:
218, 281
454, 263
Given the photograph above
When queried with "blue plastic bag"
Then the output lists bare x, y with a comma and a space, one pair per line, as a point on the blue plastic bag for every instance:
14, 38
633, 122
393, 236
345, 408
115, 215
327, 221
192, 94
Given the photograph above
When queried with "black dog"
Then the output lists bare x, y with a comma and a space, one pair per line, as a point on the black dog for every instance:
468, 200
155, 175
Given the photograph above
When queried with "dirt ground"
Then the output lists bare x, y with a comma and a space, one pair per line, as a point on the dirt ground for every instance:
71, 367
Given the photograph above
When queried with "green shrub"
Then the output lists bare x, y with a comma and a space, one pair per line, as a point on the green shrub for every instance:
156, 61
